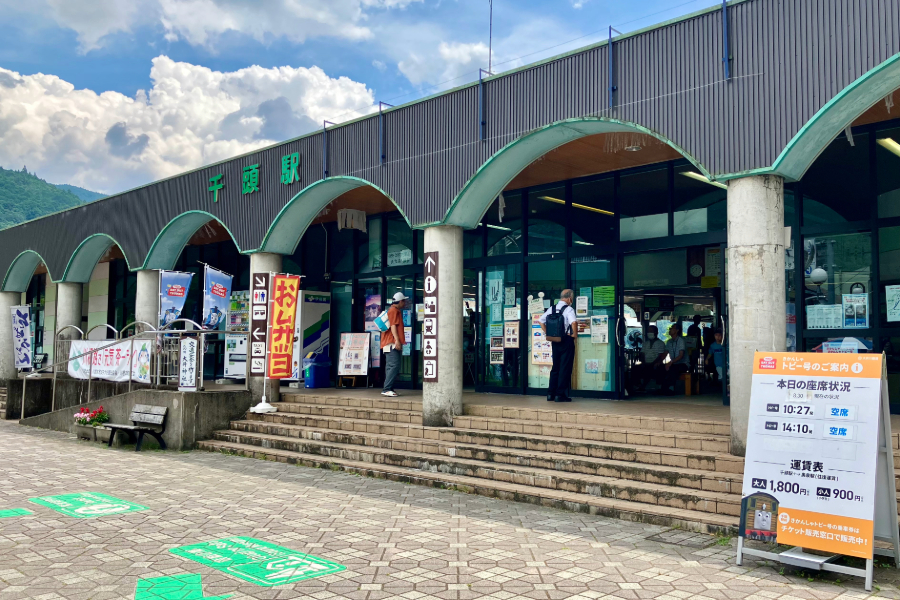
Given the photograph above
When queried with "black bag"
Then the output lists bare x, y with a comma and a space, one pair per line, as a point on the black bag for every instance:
556, 325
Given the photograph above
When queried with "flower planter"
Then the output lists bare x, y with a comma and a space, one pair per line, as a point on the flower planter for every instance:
102, 434
86, 432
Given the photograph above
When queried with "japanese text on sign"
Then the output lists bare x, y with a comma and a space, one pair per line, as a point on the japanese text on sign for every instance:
281, 335
430, 328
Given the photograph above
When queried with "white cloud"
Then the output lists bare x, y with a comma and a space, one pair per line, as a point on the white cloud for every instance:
191, 116
445, 63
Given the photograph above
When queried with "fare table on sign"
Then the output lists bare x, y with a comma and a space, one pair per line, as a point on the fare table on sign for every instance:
819, 469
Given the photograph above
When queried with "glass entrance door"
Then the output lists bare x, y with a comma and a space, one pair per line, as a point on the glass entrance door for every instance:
597, 354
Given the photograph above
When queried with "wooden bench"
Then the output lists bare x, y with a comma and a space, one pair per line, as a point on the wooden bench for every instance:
145, 419
691, 384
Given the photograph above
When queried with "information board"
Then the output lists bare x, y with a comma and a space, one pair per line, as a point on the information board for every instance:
353, 358
259, 322
817, 472
430, 325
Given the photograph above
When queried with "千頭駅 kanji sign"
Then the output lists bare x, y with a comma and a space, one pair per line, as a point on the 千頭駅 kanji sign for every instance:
281, 333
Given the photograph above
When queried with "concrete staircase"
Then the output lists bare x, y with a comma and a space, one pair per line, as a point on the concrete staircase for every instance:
665, 471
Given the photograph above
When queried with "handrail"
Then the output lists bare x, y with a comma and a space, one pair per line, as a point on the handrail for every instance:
107, 325
194, 323
132, 324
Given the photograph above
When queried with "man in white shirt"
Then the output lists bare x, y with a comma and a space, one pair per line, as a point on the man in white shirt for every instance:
563, 351
653, 353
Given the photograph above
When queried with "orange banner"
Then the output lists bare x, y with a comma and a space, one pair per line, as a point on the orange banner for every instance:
281, 333
817, 364
829, 533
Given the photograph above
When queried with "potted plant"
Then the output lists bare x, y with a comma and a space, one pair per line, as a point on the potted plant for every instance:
83, 427
99, 417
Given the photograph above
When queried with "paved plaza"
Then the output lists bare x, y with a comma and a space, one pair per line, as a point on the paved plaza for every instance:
365, 538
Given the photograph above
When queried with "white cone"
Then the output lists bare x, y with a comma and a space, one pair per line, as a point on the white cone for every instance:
263, 407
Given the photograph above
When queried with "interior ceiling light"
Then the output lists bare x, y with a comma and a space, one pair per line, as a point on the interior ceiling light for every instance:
632, 148
583, 243
498, 227
890, 145
576, 205
700, 177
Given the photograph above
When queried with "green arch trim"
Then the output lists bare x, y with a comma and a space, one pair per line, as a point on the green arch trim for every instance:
169, 243
87, 255
495, 174
829, 121
21, 269
292, 221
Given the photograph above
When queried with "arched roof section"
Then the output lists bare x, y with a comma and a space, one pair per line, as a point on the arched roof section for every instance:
494, 175
291, 223
20, 271
87, 255
167, 246
837, 114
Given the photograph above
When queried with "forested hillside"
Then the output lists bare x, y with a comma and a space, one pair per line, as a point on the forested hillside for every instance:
24, 196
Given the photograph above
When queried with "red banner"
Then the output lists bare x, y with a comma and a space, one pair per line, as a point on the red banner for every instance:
281, 333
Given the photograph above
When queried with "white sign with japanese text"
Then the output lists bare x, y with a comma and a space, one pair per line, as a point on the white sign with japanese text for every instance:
111, 363
187, 373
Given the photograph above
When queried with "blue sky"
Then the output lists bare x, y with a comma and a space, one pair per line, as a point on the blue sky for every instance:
109, 94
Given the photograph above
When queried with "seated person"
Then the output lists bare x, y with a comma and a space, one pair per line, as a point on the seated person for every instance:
652, 355
678, 363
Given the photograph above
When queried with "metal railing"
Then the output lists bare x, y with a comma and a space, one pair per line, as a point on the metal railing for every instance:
166, 359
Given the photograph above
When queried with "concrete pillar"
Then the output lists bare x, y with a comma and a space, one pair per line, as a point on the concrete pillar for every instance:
146, 299
69, 299
7, 358
755, 287
442, 400
264, 262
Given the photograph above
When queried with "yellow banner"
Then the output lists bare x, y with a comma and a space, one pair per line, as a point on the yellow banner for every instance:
829, 533
283, 315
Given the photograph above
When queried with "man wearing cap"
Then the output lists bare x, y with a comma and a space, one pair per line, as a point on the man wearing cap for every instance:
392, 342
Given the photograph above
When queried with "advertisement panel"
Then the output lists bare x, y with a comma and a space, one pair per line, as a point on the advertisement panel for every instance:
112, 363
21, 327
173, 291
216, 298
235, 356
313, 328
285, 289
353, 358
812, 449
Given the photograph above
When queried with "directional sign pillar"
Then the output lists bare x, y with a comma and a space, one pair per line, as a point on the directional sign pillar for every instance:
261, 264
442, 328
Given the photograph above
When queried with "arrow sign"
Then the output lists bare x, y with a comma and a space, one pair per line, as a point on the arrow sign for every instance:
429, 263
177, 587
259, 334
260, 282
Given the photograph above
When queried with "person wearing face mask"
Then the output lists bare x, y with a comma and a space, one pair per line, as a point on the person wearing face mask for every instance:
653, 352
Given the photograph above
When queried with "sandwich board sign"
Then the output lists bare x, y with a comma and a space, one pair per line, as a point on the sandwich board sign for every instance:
819, 468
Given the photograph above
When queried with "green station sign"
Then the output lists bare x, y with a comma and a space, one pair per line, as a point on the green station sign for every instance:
257, 561
88, 505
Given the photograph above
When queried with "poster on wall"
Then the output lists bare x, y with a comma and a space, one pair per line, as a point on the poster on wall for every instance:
824, 316
187, 363
583, 326
604, 295
494, 291
497, 343
312, 329
285, 290
21, 327
592, 366
812, 463
892, 296
599, 329
581, 306
353, 355
713, 266
113, 363
497, 357
535, 306
495, 330
856, 311
541, 349
173, 290
512, 313
511, 334
509, 296
235, 356
216, 298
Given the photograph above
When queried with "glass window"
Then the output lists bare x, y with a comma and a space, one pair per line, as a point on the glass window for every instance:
341, 317
473, 241
838, 281
471, 322
547, 277
699, 202
369, 250
547, 221
340, 249
836, 186
887, 165
644, 203
502, 289
406, 285
594, 363
400, 242
891, 348
368, 305
504, 228
593, 212
843, 344
313, 259
889, 270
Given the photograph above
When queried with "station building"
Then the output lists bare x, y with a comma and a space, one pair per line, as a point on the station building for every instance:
741, 163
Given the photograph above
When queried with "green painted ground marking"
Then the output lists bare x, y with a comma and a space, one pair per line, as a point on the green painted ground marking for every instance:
14, 512
88, 505
176, 587
257, 561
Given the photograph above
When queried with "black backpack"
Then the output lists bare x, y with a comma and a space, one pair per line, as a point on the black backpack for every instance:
556, 325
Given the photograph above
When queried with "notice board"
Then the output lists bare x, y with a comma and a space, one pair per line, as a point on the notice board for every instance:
354, 354
819, 470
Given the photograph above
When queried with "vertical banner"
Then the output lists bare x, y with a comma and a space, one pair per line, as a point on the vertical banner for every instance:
812, 447
21, 326
285, 289
216, 298
259, 321
430, 325
187, 373
173, 291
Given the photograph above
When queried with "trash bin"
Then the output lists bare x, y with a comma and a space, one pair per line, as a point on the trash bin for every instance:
316, 367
